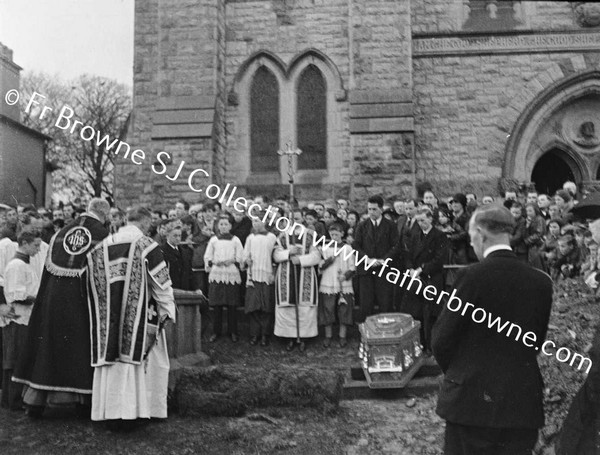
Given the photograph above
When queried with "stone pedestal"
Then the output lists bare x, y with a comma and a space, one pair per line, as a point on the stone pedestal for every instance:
184, 337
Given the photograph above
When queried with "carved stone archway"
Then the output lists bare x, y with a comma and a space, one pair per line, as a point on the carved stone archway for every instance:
564, 116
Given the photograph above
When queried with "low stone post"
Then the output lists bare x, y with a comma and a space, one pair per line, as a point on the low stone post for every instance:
185, 336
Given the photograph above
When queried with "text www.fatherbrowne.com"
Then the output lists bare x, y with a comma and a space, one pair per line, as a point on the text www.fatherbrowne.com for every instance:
479, 315
455, 304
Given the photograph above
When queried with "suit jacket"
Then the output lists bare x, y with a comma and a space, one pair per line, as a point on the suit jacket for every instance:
200, 241
242, 229
374, 242
491, 380
403, 234
579, 434
410, 232
401, 223
517, 239
179, 262
430, 252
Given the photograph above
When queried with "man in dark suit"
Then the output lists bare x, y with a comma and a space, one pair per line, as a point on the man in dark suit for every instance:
374, 238
426, 256
410, 228
492, 392
407, 229
178, 258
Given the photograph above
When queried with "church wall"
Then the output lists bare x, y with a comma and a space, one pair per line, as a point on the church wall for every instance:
284, 30
178, 56
369, 43
465, 108
22, 163
446, 16
455, 98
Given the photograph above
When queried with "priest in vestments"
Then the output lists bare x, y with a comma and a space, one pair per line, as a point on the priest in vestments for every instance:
55, 361
130, 301
296, 287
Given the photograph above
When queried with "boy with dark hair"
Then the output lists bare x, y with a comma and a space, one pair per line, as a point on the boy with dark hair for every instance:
517, 238
569, 258
312, 222
20, 289
336, 296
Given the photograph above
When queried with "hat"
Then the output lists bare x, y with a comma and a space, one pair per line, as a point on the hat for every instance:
564, 195
460, 198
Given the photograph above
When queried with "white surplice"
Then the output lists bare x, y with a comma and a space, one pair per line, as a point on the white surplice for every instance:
127, 391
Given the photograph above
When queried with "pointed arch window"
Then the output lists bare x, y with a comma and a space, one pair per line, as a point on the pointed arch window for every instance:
264, 123
311, 119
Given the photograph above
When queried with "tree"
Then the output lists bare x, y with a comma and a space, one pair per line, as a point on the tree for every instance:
84, 167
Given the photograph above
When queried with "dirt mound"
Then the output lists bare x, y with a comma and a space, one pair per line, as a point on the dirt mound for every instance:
575, 316
230, 389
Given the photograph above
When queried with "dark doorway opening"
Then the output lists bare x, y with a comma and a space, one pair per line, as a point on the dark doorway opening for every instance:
551, 171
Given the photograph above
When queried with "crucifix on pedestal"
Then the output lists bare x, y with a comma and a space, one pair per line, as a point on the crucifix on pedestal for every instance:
290, 153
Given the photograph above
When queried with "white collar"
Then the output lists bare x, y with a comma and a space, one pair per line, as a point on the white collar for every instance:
428, 230
491, 249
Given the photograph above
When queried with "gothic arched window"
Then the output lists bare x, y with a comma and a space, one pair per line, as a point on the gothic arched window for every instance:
311, 119
264, 122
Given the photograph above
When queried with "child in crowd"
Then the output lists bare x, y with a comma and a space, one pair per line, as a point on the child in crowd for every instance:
352, 222
260, 289
311, 219
549, 249
590, 264
535, 229
569, 258
517, 238
579, 236
21, 285
336, 293
456, 253
223, 257
592, 276
588, 239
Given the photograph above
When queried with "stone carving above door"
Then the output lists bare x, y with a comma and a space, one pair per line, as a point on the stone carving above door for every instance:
587, 14
581, 129
587, 137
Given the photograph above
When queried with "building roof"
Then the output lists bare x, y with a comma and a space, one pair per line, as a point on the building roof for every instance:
24, 128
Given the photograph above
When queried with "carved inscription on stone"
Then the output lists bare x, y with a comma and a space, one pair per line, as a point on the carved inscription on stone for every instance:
505, 44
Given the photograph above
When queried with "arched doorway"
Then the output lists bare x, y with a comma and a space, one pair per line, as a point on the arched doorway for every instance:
551, 171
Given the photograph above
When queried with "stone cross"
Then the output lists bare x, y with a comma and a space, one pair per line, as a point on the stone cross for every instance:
290, 153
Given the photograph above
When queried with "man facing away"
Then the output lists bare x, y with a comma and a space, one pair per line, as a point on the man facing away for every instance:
55, 362
130, 301
491, 397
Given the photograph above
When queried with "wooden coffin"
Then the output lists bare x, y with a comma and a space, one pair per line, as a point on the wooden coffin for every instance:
390, 350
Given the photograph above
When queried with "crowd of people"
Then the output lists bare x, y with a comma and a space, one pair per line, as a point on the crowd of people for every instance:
62, 270
82, 316
215, 249
237, 261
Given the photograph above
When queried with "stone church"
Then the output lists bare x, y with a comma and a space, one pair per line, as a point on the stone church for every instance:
381, 96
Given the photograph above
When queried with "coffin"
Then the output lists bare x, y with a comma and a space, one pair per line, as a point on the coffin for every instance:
390, 350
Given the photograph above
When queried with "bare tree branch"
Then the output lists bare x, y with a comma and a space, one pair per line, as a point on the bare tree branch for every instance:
100, 103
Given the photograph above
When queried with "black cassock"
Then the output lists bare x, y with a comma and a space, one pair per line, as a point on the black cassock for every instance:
56, 357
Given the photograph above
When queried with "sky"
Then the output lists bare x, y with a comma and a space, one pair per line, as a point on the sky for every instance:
70, 37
